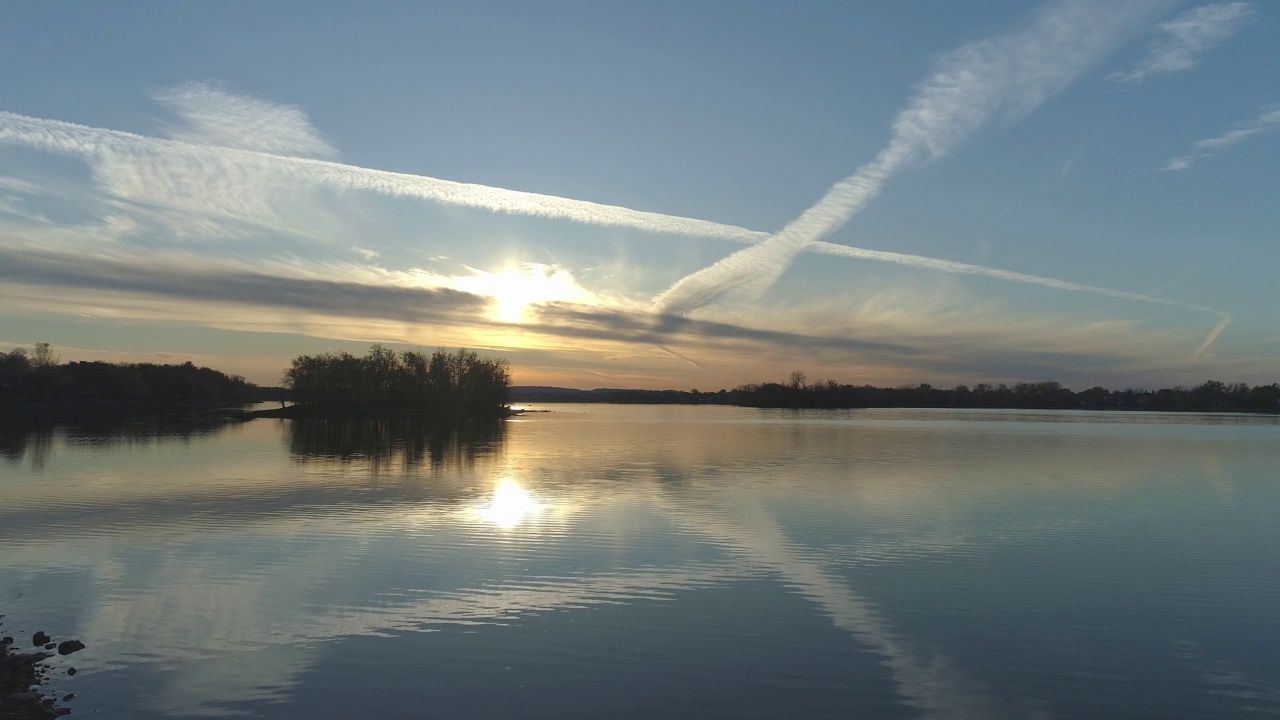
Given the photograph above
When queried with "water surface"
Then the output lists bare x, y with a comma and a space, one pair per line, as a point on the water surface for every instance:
640, 561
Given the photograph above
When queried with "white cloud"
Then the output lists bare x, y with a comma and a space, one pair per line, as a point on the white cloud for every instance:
1266, 121
209, 184
210, 116
1182, 162
1185, 37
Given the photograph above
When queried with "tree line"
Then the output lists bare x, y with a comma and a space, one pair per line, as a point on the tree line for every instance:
39, 377
443, 383
798, 392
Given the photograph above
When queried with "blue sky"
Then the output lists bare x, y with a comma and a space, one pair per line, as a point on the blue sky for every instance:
1078, 190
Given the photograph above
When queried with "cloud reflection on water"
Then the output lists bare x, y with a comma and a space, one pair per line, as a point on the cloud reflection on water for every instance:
242, 557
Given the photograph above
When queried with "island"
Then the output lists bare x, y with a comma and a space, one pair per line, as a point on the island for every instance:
386, 384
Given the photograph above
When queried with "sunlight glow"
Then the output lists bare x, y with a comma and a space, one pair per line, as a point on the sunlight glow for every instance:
518, 287
510, 506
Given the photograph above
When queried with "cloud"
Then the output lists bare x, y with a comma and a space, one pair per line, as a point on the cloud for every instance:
1268, 120
1213, 335
205, 183
643, 327
180, 164
1007, 76
201, 279
246, 187
210, 116
1185, 37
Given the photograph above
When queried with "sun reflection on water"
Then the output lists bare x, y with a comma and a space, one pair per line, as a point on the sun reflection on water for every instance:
510, 506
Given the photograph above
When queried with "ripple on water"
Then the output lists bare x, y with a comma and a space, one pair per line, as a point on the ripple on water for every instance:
714, 560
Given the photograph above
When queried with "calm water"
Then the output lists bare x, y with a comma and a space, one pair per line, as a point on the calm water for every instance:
646, 562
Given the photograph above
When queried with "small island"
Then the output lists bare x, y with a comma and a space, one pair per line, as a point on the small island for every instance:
387, 384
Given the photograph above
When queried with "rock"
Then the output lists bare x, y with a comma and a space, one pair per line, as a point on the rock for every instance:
50, 646
59, 712
6, 640
67, 647
71, 671
40, 638
68, 696
23, 697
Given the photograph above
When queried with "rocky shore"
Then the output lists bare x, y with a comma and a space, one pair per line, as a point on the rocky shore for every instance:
23, 673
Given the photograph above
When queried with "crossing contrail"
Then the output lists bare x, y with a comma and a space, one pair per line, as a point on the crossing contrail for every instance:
1008, 75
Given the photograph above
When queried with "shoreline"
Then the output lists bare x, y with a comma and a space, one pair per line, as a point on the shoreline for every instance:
23, 673
302, 412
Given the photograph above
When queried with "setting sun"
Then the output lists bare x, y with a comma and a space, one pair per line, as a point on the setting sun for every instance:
518, 287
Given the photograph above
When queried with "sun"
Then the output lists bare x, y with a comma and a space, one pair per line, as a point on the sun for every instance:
521, 286
513, 298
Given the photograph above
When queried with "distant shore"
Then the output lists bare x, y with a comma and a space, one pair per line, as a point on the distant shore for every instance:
1209, 397
1117, 410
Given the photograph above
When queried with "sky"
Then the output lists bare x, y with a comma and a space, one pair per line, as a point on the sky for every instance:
651, 195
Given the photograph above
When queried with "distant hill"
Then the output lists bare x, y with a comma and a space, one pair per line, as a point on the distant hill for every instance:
547, 393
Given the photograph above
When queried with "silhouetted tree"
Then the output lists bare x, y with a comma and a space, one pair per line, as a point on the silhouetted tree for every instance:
39, 379
444, 383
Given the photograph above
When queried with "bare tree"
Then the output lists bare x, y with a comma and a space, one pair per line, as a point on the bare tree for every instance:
44, 356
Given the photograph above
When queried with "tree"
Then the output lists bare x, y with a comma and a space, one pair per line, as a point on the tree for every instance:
44, 356
445, 383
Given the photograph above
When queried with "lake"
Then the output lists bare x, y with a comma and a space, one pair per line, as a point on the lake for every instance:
656, 561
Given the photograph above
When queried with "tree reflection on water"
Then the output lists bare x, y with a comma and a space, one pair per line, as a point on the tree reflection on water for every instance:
22, 437
406, 444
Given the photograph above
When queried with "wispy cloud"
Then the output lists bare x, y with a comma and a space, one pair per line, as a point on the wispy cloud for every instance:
1008, 76
1185, 37
208, 115
1266, 121
144, 169
209, 183
245, 181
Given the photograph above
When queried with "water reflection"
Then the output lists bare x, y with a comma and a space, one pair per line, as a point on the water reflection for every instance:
23, 437
510, 506
17, 439
984, 568
389, 445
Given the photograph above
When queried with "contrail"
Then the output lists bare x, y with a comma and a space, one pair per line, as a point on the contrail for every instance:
71, 139
1008, 75
1213, 335
960, 268
66, 138
105, 145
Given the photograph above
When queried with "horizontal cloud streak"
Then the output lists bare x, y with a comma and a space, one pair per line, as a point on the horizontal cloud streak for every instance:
643, 327
1185, 37
1010, 75
172, 278
230, 284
